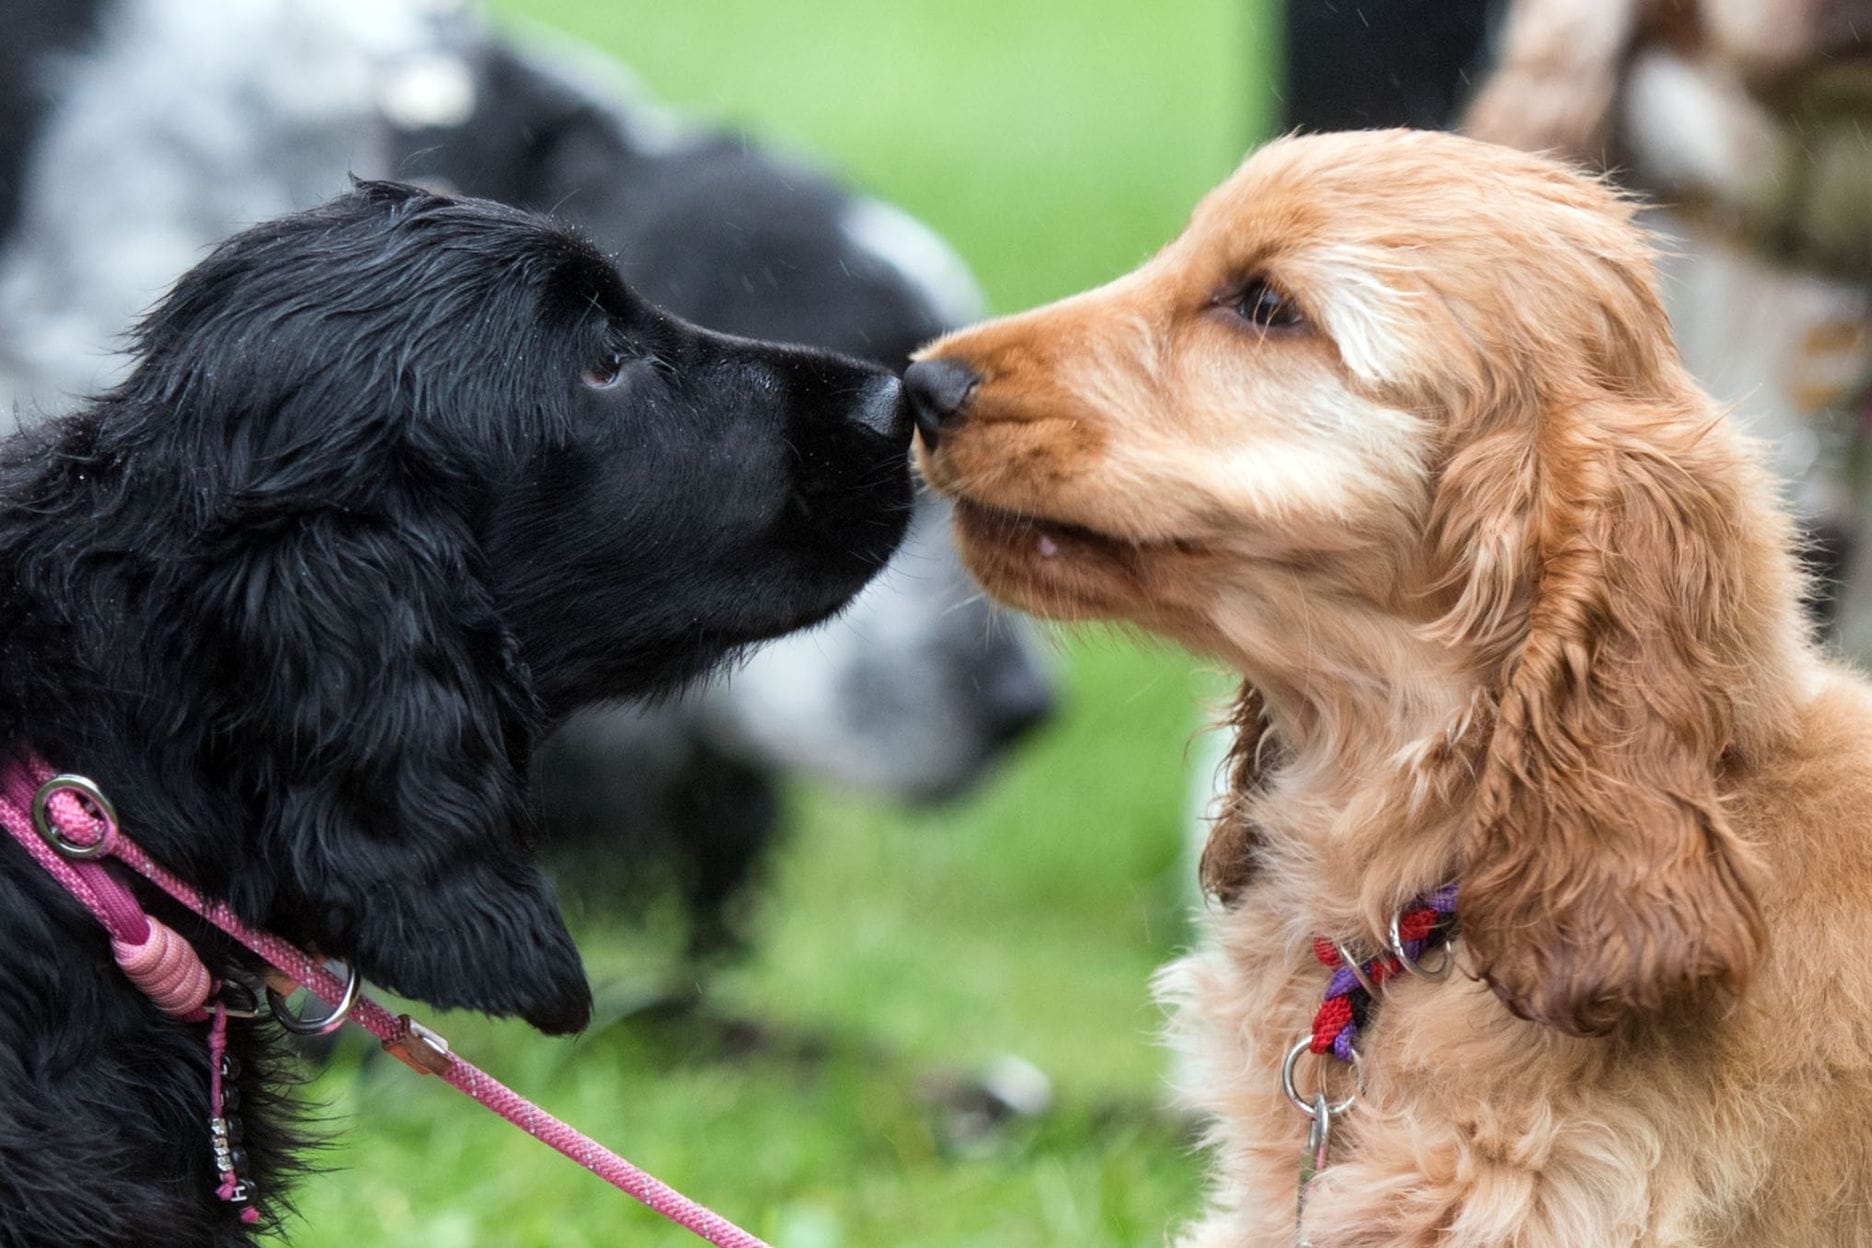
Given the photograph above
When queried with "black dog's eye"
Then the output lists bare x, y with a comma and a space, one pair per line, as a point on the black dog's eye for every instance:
605, 371
1265, 307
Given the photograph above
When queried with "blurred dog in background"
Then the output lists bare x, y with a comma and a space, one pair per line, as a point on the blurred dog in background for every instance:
1354, 66
136, 133
1747, 120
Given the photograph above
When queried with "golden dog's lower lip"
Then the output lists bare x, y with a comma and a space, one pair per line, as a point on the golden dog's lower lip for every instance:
1047, 538
1060, 569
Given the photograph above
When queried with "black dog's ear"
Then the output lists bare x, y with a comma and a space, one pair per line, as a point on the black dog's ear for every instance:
382, 715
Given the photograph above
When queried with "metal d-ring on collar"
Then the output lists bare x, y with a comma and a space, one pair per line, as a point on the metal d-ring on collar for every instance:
1311, 1108
1357, 967
89, 791
300, 1025
1432, 973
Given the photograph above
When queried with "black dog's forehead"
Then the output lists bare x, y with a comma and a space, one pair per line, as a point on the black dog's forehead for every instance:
388, 254
398, 213
454, 328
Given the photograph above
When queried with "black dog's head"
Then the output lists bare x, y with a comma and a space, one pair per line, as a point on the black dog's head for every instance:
396, 483
648, 496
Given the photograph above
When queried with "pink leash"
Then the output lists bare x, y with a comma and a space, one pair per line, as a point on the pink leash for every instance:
167, 969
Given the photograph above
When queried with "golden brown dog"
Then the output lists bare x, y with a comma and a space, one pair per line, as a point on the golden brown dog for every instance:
1396, 427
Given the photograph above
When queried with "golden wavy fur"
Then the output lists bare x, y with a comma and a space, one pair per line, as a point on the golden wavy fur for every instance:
1397, 428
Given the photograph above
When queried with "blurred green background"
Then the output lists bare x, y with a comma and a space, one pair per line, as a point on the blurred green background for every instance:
1057, 143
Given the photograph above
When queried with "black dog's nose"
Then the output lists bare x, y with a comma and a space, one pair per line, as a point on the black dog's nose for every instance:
938, 390
884, 410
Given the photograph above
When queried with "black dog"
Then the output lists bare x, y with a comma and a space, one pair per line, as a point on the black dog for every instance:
141, 132
395, 485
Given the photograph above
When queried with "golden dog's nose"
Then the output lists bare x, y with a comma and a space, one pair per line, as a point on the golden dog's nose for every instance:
938, 390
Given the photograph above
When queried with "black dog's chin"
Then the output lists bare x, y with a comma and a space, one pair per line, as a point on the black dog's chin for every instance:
563, 1020
842, 538
563, 1017
507, 974
482, 932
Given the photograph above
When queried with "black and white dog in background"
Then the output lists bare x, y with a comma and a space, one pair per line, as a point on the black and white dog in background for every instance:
136, 133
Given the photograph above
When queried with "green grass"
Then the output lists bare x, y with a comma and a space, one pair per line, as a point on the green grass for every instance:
1057, 143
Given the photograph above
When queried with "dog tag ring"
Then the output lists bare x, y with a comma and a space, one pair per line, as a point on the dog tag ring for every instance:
1292, 1091
88, 793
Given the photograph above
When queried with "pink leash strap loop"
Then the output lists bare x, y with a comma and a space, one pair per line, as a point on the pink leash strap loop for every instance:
22, 782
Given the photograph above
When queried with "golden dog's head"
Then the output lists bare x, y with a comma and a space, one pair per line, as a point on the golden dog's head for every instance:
1401, 411
1271, 396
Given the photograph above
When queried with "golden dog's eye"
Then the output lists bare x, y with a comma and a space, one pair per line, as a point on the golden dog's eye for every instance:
604, 373
1265, 307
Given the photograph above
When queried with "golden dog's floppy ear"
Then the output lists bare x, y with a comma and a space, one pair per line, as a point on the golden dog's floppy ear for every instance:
1598, 556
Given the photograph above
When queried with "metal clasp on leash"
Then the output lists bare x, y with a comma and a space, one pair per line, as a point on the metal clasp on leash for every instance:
87, 791
309, 1024
1312, 1161
420, 1048
238, 998
1320, 1113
